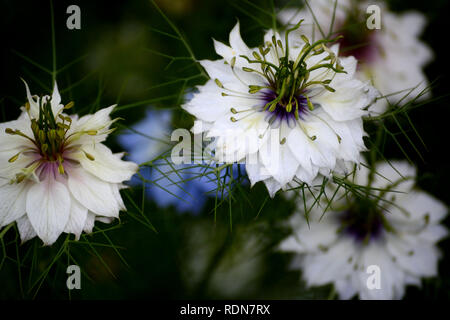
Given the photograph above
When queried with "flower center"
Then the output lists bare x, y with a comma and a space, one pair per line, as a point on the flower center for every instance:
288, 90
363, 220
357, 40
50, 139
50, 132
281, 112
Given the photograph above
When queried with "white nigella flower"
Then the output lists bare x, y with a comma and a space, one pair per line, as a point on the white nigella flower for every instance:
391, 57
288, 109
395, 229
55, 174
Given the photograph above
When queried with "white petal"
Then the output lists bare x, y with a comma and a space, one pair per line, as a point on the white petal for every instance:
116, 193
96, 195
34, 104
89, 224
106, 165
48, 208
418, 208
13, 202
272, 186
350, 135
56, 101
392, 277
236, 140
256, 172
26, 230
348, 101
300, 147
209, 105
237, 80
291, 244
318, 233
77, 219
280, 164
434, 233
326, 267
414, 22
106, 220
236, 41
398, 173
307, 176
321, 151
15, 143
345, 288
229, 53
99, 121
361, 176
413, 255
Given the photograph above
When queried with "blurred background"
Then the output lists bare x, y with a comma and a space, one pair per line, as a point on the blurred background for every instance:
126, 52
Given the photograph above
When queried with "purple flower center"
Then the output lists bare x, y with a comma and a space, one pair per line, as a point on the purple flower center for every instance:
363, 222
357, 40
364, 50
281, 114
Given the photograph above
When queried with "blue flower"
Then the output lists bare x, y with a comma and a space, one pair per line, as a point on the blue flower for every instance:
148, 138
186, 187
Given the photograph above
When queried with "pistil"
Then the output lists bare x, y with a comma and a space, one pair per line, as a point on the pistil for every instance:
290, 79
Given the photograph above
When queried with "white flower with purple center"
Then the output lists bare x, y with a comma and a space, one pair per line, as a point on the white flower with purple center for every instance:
56, 175
289, 110
392, 57
389, 227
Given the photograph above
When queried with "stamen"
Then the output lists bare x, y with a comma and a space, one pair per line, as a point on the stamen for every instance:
274, 41
329, 88
305, 39
244, 95
257, 56
17, 132
234, 111
313, 138
60, 169
89, 156
280, 44
233, 119
69, 105
14, 158
263, 51
219, 84
310, 105
60, 166
26, 172
255, 89
233, 62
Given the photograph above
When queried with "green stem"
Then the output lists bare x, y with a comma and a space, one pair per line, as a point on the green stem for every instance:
53, 44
